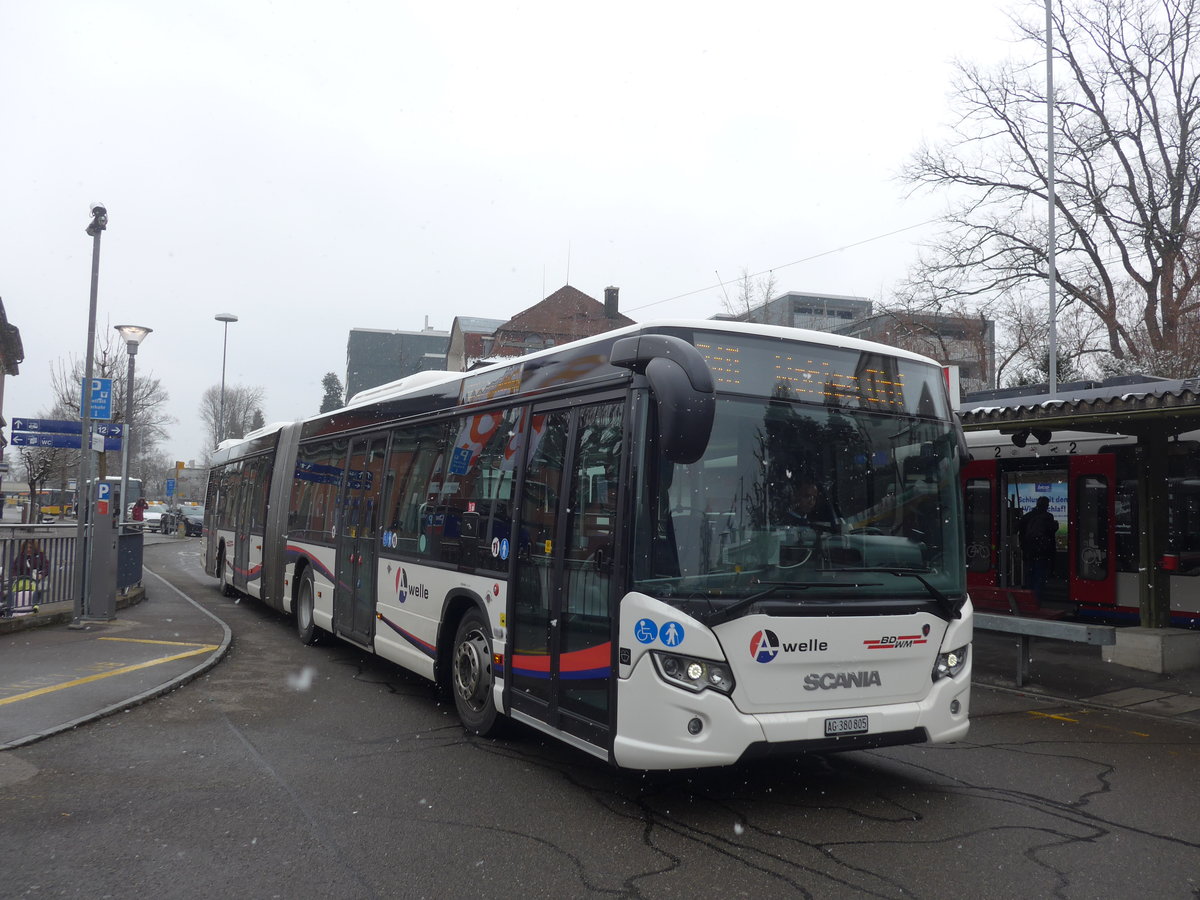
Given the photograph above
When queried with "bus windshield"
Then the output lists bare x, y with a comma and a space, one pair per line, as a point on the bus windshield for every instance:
803, 502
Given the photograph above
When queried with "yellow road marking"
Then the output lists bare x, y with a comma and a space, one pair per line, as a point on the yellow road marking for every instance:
1042, 715
205, 648
143, 641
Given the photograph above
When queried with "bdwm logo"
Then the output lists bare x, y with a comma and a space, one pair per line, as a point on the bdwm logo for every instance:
764, 646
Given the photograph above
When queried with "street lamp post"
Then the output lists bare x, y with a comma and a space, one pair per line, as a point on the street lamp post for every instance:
133, 335
226, 318
82, 497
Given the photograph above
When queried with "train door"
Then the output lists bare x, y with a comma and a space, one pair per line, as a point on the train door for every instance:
1021, 489
561, 648
358, 525
1092, 549
979, 515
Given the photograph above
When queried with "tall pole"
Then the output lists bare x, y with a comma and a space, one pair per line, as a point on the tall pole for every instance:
83, 518
1052, 336
131, 349
133, 334
226, 318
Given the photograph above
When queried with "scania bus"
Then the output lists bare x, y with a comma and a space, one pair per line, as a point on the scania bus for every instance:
600, 540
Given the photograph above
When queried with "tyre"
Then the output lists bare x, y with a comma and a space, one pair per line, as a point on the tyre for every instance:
471, 675
306, 598
223, 573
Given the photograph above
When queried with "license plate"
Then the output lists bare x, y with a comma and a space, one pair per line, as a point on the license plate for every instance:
846, 725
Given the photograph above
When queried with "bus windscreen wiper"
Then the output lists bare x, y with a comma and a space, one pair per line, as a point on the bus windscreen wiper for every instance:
951, 608
718, 616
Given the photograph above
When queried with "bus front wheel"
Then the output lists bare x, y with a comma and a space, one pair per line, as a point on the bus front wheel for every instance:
306, 626
471, 675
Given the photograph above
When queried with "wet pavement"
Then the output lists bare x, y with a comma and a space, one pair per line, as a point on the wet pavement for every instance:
55, 676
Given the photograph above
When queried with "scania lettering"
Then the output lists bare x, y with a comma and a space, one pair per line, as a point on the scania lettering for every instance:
831, 680
670, 545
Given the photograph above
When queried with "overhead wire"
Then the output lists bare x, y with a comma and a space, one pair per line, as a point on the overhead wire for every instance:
721, 284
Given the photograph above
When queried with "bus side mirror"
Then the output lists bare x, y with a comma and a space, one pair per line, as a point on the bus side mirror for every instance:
682, 385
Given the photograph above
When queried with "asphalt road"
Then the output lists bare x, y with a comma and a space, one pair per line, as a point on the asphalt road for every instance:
297, 772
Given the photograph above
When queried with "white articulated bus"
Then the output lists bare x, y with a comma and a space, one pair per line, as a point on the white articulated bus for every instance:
606, 541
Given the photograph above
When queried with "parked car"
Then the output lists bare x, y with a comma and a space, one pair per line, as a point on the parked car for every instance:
152, 514
190, 517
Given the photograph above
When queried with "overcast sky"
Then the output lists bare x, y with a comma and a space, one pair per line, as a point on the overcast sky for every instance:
317, 167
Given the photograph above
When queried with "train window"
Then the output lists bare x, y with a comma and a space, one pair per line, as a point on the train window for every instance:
978, 519
1091, 528
1183, 521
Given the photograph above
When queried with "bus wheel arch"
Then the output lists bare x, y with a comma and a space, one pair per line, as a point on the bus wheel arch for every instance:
223, 573
304, 603
469, 673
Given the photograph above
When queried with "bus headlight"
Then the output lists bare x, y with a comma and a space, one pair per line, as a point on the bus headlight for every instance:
950, 664
693, 674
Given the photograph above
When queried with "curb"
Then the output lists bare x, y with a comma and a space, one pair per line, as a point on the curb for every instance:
159, 690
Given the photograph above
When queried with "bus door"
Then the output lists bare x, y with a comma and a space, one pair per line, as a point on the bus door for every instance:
243, 531
560, 656
980, 505
1092, 537
358, 526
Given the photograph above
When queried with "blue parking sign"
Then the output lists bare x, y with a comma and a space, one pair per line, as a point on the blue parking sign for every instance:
100, 397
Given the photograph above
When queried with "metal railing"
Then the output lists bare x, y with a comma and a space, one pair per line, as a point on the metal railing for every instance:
57, 544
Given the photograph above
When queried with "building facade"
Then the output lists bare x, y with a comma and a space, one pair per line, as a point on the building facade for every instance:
375, 357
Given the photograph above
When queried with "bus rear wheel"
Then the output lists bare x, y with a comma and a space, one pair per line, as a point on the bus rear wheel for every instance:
223, 574
471, 675
306, 625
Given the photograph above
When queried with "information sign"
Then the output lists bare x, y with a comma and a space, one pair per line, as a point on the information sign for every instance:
62, 441
100, 397
66, 426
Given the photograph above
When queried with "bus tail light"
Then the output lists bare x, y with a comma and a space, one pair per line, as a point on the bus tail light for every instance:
693, 674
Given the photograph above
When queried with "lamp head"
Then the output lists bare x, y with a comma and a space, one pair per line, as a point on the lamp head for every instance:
225, 317
99, 219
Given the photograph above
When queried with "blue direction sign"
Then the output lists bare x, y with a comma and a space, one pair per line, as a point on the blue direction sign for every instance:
101, 397
65, 426
68, 441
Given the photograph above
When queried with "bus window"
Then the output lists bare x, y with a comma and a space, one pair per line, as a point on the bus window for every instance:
474, 503
318, 473
417, 454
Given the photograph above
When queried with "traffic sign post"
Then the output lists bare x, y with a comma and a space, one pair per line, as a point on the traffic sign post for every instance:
102, 577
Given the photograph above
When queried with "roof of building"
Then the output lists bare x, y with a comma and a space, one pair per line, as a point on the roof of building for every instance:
1121, 404
567, 312
475, 325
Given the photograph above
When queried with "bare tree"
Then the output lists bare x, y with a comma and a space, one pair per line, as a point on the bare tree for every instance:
243, 408
43, 466
1127, 136
753, 294
149, 401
